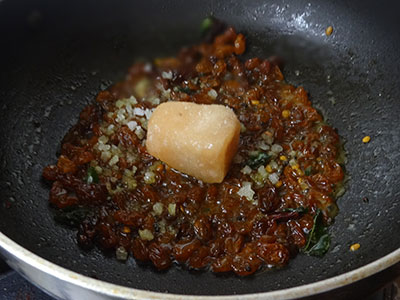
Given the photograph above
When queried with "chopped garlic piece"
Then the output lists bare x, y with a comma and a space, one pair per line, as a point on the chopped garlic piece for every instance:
246, 191
158, 208
132, 125
113, 160
146, 234
213, 94
172, 209
166, 75
246, 170
274, 178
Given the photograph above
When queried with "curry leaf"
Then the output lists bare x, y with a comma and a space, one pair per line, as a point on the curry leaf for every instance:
321, 247
92, 176
318, 241
257, 160
206, 25
308, 171
300, 209
185, 89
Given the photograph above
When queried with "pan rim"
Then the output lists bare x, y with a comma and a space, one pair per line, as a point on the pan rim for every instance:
113, 290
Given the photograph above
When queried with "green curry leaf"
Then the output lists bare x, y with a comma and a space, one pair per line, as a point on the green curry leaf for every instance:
92, 176
321, 247
319, 240
300, 209
308, 171
257, 160
185, 89
206, 25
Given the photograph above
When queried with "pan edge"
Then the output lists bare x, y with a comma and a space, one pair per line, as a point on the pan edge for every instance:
66, 284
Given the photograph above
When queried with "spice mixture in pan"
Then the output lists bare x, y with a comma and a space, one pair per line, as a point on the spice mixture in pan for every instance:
276, 200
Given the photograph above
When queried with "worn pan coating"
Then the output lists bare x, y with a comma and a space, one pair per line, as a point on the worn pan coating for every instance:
56, 55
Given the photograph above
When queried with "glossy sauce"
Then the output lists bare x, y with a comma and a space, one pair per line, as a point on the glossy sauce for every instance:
139, 206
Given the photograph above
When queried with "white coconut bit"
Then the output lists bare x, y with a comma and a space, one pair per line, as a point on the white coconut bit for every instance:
172, 209
120, 118
166, 75
213, 94
166, 94
246, 170
246, 191
114, 149
292, 162
273, 178
103, 147
253, 153
261, 170
129, 109
158, 208
146, 234
276, 148
132, 125
110, 129
127, 172
132, 100
272, 154
274, 164
148, 113
263, 146
139, 132
149, 177
103, 139
113, 160
131, 158
120, 103
268, 139
105, 156
138, 111
143, 121
154, 101
134, 169
162, 225
121, 254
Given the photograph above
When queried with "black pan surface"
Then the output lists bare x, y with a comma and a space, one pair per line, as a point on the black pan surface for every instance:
56, 55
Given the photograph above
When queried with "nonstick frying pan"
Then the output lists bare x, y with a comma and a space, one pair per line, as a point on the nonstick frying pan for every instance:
56, 55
